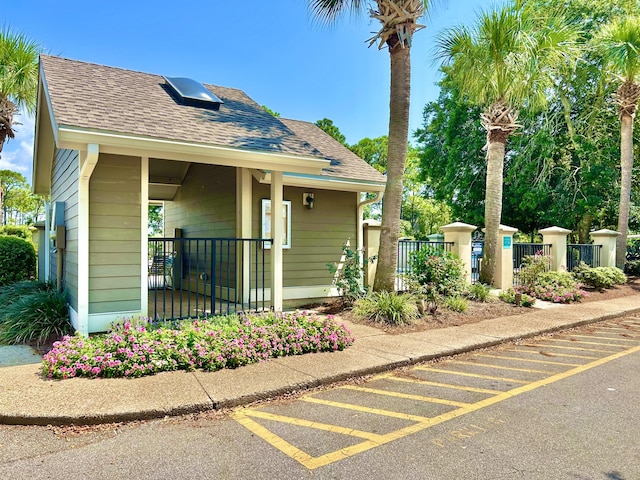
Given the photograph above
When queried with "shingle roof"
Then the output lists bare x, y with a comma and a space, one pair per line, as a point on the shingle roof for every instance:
87, 95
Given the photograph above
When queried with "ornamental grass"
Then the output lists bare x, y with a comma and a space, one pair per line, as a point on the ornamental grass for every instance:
138, 347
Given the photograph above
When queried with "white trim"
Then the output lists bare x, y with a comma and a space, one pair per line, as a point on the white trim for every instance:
144, 235
299, 293
87, 162
322, 182
73, 316
47, 245
117, 143
101, 322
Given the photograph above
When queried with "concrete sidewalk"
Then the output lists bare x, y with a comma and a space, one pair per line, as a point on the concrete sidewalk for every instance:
26, 398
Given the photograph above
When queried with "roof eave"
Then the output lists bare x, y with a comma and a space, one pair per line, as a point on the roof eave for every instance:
78, 138
324, 182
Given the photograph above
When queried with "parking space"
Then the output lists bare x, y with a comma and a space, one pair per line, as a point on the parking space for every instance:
330, 425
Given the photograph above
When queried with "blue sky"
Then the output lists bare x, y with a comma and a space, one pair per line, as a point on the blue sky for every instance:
275, 51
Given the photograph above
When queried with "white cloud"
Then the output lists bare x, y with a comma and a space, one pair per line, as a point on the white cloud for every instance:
17, 153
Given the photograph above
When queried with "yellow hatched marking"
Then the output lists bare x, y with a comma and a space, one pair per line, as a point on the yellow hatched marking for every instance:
326, 459
408, 396
474, 375
617, 338
500, 367
360, 408
582, 349
310, 424
566, 355
445, 385
587, 343
530, 360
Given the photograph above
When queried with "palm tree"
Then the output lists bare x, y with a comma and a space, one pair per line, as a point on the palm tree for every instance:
619, 44
504, 63
18, 79
398, 22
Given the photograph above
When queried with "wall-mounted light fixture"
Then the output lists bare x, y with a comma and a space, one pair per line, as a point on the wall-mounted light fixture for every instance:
307, 200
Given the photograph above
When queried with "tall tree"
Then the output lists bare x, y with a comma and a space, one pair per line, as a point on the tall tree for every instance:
504, 62
18, 82
619, 44
398, 22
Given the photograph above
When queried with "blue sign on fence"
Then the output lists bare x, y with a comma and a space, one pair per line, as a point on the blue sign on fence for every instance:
506, 242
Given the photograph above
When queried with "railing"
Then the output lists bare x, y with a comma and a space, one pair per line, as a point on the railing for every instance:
583, 252
405, 249
522, 250
191, 277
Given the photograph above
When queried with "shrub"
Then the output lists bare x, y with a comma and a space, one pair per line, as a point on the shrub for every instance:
32, 311
21, 231
532, 267
17, 260
600, 278
134, 349
479, 292
509, 296
632, 267
456, 303
348, 274
391, 308
556, 287
443, 270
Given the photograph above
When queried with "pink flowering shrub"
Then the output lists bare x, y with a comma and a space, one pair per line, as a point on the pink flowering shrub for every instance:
556, 287
137, 348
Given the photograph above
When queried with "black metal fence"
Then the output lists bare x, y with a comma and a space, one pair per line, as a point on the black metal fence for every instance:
522, 250
190, 277
405, 249
583, 252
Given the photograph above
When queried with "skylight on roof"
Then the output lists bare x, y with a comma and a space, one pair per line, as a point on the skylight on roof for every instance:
193, 93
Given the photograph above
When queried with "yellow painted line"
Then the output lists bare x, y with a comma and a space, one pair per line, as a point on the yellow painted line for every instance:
598, 337
474, 375
582, 349
407, 396
586, 343
272, 439
500, 367
315, 462
530, 360
360, 408
300, 422
446, 385
566, 355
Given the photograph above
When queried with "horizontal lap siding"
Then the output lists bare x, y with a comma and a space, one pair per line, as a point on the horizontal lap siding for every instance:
317, 234
64, 188
114, 234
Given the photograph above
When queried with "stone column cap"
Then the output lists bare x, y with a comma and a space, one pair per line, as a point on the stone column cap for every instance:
605, 232
458, 227
371, 223
555, 230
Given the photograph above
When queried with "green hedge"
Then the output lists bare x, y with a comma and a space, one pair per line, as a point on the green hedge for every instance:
17, 260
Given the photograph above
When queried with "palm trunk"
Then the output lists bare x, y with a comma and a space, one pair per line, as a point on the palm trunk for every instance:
492, 207
626, 167
396, 158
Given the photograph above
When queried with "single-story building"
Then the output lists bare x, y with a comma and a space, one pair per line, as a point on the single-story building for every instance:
109, 141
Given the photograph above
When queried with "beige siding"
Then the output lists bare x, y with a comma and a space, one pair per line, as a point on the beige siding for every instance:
317, 234
64, 188
114, 234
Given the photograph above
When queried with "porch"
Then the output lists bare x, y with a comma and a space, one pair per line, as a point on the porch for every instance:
190, 277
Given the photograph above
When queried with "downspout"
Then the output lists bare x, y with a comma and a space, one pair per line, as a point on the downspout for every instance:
88, 161
361, 206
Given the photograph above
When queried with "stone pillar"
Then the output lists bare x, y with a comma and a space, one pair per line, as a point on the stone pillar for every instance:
371, 243
503, 276
606, 238
557, 237
459, 234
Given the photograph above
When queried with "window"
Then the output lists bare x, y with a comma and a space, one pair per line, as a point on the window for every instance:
286, 220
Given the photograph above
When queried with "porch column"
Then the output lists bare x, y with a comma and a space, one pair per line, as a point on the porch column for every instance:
277, 231
244, 184
371, 248
88, 161
459, 234
557, 237
607, 239
144, 236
